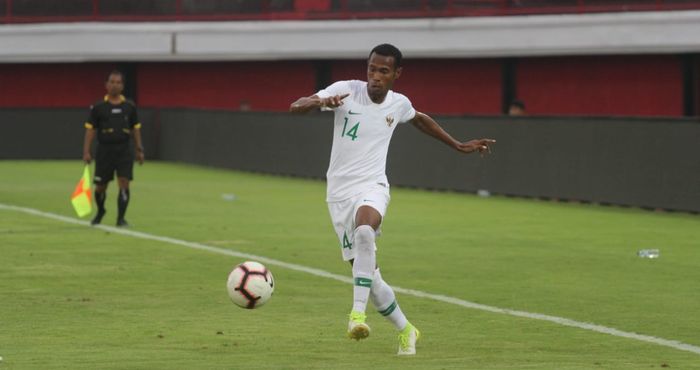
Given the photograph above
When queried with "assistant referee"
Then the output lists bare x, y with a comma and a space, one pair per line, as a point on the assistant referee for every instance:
114, 121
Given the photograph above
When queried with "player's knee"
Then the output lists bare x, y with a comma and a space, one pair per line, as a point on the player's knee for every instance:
364, 237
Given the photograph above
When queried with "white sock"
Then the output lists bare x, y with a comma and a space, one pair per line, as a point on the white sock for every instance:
363, 266
384, 300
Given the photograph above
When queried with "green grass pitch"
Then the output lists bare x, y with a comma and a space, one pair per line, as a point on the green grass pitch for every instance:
76, 297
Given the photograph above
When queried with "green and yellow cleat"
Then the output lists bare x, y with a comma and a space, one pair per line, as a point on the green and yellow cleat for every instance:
357, 329
407, 340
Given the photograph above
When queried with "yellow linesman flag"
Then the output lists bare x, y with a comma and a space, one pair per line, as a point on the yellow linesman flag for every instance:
82, 196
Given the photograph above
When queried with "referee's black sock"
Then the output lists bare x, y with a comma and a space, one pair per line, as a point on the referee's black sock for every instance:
123, 202
100, 200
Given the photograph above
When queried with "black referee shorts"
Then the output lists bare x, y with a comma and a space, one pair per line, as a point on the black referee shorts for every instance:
113, 158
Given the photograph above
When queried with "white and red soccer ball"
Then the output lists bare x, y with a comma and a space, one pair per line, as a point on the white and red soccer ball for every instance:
250, 284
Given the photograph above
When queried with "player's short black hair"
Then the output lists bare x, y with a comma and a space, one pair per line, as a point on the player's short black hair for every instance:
518, 104
388, 50
116, 72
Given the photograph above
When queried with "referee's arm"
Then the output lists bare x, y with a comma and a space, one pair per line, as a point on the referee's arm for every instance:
87, 142
136, 133
139, 144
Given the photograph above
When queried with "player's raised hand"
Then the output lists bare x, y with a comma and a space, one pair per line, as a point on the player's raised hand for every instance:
333, 101
483, 146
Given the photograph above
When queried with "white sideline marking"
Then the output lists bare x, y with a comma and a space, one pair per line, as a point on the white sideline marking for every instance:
416, 293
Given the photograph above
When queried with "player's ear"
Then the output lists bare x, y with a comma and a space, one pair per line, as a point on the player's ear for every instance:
397, 73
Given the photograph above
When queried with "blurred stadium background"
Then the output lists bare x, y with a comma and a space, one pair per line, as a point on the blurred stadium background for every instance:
611, 87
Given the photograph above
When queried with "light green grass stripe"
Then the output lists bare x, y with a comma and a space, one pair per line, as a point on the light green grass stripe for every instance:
416, 293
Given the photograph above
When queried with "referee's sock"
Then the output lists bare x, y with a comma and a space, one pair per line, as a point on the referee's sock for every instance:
100, 200
123, 202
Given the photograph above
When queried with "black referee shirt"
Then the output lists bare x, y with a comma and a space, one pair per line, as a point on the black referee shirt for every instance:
113, 122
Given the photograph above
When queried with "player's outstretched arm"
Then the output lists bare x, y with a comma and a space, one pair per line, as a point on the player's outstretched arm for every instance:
428, 126
313, 102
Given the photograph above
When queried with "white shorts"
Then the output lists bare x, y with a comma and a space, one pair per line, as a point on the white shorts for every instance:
343, 215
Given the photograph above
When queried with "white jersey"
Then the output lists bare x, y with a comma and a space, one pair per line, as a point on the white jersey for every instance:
361, 135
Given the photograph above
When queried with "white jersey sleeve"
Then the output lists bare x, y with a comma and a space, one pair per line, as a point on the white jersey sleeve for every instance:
338, 88
407, 112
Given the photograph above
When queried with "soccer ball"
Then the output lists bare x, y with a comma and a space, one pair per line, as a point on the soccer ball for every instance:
250, 284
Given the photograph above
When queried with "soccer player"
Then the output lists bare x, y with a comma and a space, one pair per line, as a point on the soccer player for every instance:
114, 121
366, 114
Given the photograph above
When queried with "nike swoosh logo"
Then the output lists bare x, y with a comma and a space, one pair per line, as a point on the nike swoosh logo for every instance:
353, 113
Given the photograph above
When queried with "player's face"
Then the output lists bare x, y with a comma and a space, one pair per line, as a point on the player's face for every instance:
114, 85
381, 73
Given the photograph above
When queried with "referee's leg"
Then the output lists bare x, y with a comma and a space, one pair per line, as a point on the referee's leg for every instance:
100, 196
125, 171
103, 174
123, 200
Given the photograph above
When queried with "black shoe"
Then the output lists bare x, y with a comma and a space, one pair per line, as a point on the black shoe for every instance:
98, 218
122, 223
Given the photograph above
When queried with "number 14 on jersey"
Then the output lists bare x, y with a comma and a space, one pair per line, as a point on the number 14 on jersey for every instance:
353, 130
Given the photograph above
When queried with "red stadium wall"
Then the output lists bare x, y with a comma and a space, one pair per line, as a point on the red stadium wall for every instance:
52, 85
601, 85
596, 85
444, 86
264, 86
